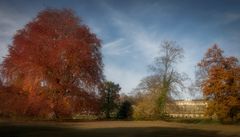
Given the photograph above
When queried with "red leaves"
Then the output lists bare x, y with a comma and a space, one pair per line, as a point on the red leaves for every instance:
57, 49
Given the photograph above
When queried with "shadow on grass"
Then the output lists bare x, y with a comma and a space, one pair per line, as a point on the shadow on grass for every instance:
9, 130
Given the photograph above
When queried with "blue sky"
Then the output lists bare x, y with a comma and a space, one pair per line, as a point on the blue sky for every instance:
131, 31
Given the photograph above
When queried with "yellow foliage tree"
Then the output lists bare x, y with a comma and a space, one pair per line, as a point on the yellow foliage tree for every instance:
146, 108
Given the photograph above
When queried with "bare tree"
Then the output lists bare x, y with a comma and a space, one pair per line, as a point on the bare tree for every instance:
164, 67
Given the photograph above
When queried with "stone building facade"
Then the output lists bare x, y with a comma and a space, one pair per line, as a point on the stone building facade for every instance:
186, 108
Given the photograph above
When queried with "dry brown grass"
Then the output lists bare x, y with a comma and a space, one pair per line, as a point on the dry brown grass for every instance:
117, 129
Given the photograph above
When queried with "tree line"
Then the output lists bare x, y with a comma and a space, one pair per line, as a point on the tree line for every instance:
218, 78
54, 70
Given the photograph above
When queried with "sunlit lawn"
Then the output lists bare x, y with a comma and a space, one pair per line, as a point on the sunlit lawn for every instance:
116, 129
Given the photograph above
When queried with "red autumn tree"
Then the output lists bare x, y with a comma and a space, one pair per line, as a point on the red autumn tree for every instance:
220, 83
55, 56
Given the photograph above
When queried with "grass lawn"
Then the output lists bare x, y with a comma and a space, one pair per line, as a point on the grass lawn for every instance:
116, 129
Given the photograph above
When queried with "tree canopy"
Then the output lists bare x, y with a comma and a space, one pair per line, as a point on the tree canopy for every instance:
58, 57
220, 83
164, 82
109, 97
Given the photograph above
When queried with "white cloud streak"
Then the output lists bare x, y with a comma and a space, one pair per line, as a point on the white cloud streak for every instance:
140, 39
115, 48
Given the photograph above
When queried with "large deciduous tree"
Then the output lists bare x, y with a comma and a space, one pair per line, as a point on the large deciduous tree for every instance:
163, 83
58, 57
109, 97
220, 82
165, 68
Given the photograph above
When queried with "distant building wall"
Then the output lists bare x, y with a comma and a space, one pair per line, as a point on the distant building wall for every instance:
186, 109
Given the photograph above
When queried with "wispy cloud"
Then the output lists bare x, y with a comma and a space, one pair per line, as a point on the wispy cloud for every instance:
143, 41
114, 44
137, 44
117, 47
140, 39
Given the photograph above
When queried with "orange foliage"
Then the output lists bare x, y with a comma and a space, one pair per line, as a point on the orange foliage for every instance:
55, 59
221, 85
